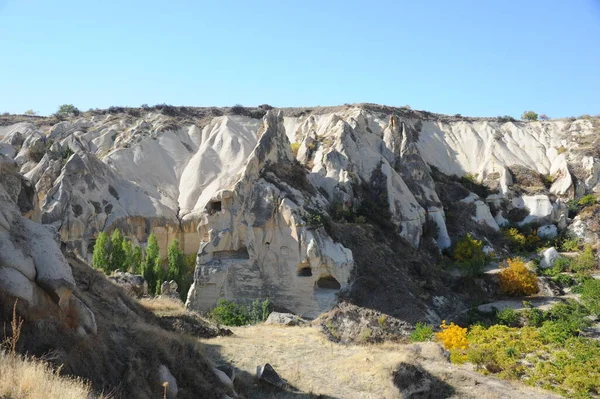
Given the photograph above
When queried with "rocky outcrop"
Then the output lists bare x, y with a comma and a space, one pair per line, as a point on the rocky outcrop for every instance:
228, 188
258, 240
32, 267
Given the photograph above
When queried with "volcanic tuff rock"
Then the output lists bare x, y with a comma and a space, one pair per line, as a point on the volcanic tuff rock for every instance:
228, 187
32, 267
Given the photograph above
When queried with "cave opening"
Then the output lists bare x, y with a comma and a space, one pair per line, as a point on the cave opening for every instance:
328, 282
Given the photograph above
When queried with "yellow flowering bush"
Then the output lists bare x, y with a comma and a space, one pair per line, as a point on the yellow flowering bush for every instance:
452, 336
516, 279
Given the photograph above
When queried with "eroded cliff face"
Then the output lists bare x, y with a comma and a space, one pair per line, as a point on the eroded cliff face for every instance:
228, 187
32, 268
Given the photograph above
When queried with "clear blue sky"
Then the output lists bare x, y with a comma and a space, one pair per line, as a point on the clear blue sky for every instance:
478, 57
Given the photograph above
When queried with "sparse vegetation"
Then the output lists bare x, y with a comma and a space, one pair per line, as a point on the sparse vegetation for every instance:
238, 109
295, 147
506, 118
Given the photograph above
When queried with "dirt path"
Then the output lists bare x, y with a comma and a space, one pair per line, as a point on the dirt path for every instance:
314, 365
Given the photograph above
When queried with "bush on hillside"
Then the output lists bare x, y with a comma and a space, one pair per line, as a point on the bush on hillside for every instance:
587, 200
232, 314
590, 295
423, 332
585, 261
469, 255
516, 279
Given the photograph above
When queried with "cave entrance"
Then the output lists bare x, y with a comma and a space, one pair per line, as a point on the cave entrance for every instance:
305, 272
328, 282
215, 206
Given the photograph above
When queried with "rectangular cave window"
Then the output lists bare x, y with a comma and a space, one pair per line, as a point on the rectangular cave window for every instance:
305, 272
215, 206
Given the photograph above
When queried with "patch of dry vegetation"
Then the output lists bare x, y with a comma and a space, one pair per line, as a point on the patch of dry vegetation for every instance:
124, 356
22, 377
163, 306
310, 362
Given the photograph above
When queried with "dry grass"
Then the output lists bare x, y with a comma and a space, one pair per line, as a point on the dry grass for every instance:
311, 363
28, 378
163, 306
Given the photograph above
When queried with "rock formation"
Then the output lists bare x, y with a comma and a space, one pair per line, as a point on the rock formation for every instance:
228, 187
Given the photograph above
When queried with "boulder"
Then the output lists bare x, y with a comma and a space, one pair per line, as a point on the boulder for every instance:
169, 288
134, 284
547, 232
285, 319
549, 256
269, 375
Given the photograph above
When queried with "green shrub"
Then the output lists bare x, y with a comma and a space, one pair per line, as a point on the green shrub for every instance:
233, 314
560, 265
557, 331
524, 239
259, 310
590, 295
508, 317
423, 332
230, 313
295, 147
315, 218
563, 280
568, 244
533, 316
469, 256
587, 200
584, 261
562, 363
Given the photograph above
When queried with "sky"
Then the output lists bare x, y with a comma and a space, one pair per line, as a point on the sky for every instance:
476, 58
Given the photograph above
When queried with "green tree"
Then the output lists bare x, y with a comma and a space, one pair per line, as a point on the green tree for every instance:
30, 112
160, 275
117, 256
176, 262
67, 110
101, 256
529, 116
128, 250
135, 265
152, 255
